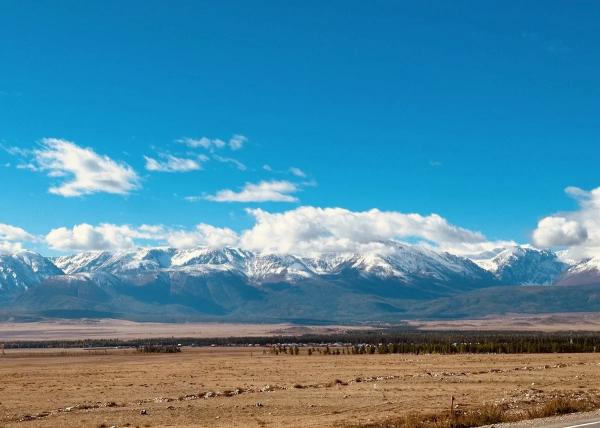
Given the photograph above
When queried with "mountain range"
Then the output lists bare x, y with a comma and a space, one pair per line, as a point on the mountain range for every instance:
233, 284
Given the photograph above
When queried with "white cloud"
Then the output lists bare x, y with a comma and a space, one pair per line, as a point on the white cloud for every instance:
577, 193
297, 172
28, 166
265, 191
81, 170
576, 231
12, 238
10, 247
14, 233
235, 143
308, 230
85, 237
474, 250
170, 163
559, 231
302, 231
203, 235
202, 142
16, 151
112, 237
239, 165
267, 167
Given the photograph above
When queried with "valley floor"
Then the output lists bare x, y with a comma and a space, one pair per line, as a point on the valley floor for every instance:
248, 387
62, 329
77, 329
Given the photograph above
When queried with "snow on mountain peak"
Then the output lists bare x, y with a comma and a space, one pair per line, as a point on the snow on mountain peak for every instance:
403, 261
523, 265
23, 269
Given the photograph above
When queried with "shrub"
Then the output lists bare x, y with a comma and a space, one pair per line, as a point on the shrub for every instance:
167, 349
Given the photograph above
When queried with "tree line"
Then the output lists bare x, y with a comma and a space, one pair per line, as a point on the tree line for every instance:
380, 341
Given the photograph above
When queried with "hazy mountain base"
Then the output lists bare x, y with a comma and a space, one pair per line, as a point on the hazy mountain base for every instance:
184, 299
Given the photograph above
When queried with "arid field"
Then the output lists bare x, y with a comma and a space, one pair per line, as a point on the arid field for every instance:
80, 329
246, 387
121, 329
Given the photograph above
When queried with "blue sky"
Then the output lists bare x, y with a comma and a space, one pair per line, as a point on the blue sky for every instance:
482, 112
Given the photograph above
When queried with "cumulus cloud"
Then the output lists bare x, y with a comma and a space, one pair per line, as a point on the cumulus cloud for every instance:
234, 143
112, 237
14, 233
203, 235
10, 247
265, 191
559, 231
82, 171
302, 231
85, 237
12, 238
577, 232
170, 163
315, 230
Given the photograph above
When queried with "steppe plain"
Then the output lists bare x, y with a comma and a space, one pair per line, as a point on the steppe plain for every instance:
250, 386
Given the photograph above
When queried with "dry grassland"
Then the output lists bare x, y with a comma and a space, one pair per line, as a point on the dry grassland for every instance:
127, 330
244, 387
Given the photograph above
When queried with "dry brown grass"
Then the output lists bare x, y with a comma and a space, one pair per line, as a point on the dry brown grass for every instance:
244, 387
484, 416
487, 415
122, 329
562, 406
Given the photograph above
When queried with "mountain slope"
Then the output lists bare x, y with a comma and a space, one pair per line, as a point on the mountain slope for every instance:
522, 265
232, 284
407, 266
24, 269
520, 300
585, 272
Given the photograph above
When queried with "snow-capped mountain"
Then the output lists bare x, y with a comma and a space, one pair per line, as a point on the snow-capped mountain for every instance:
584, 272
404, 264
119, 262
21, 270
523, 265
236, 284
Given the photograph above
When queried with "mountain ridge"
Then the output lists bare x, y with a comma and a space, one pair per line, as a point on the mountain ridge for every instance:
230, 283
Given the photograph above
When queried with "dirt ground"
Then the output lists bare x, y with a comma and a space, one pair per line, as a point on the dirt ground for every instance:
244, 387
62, 329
